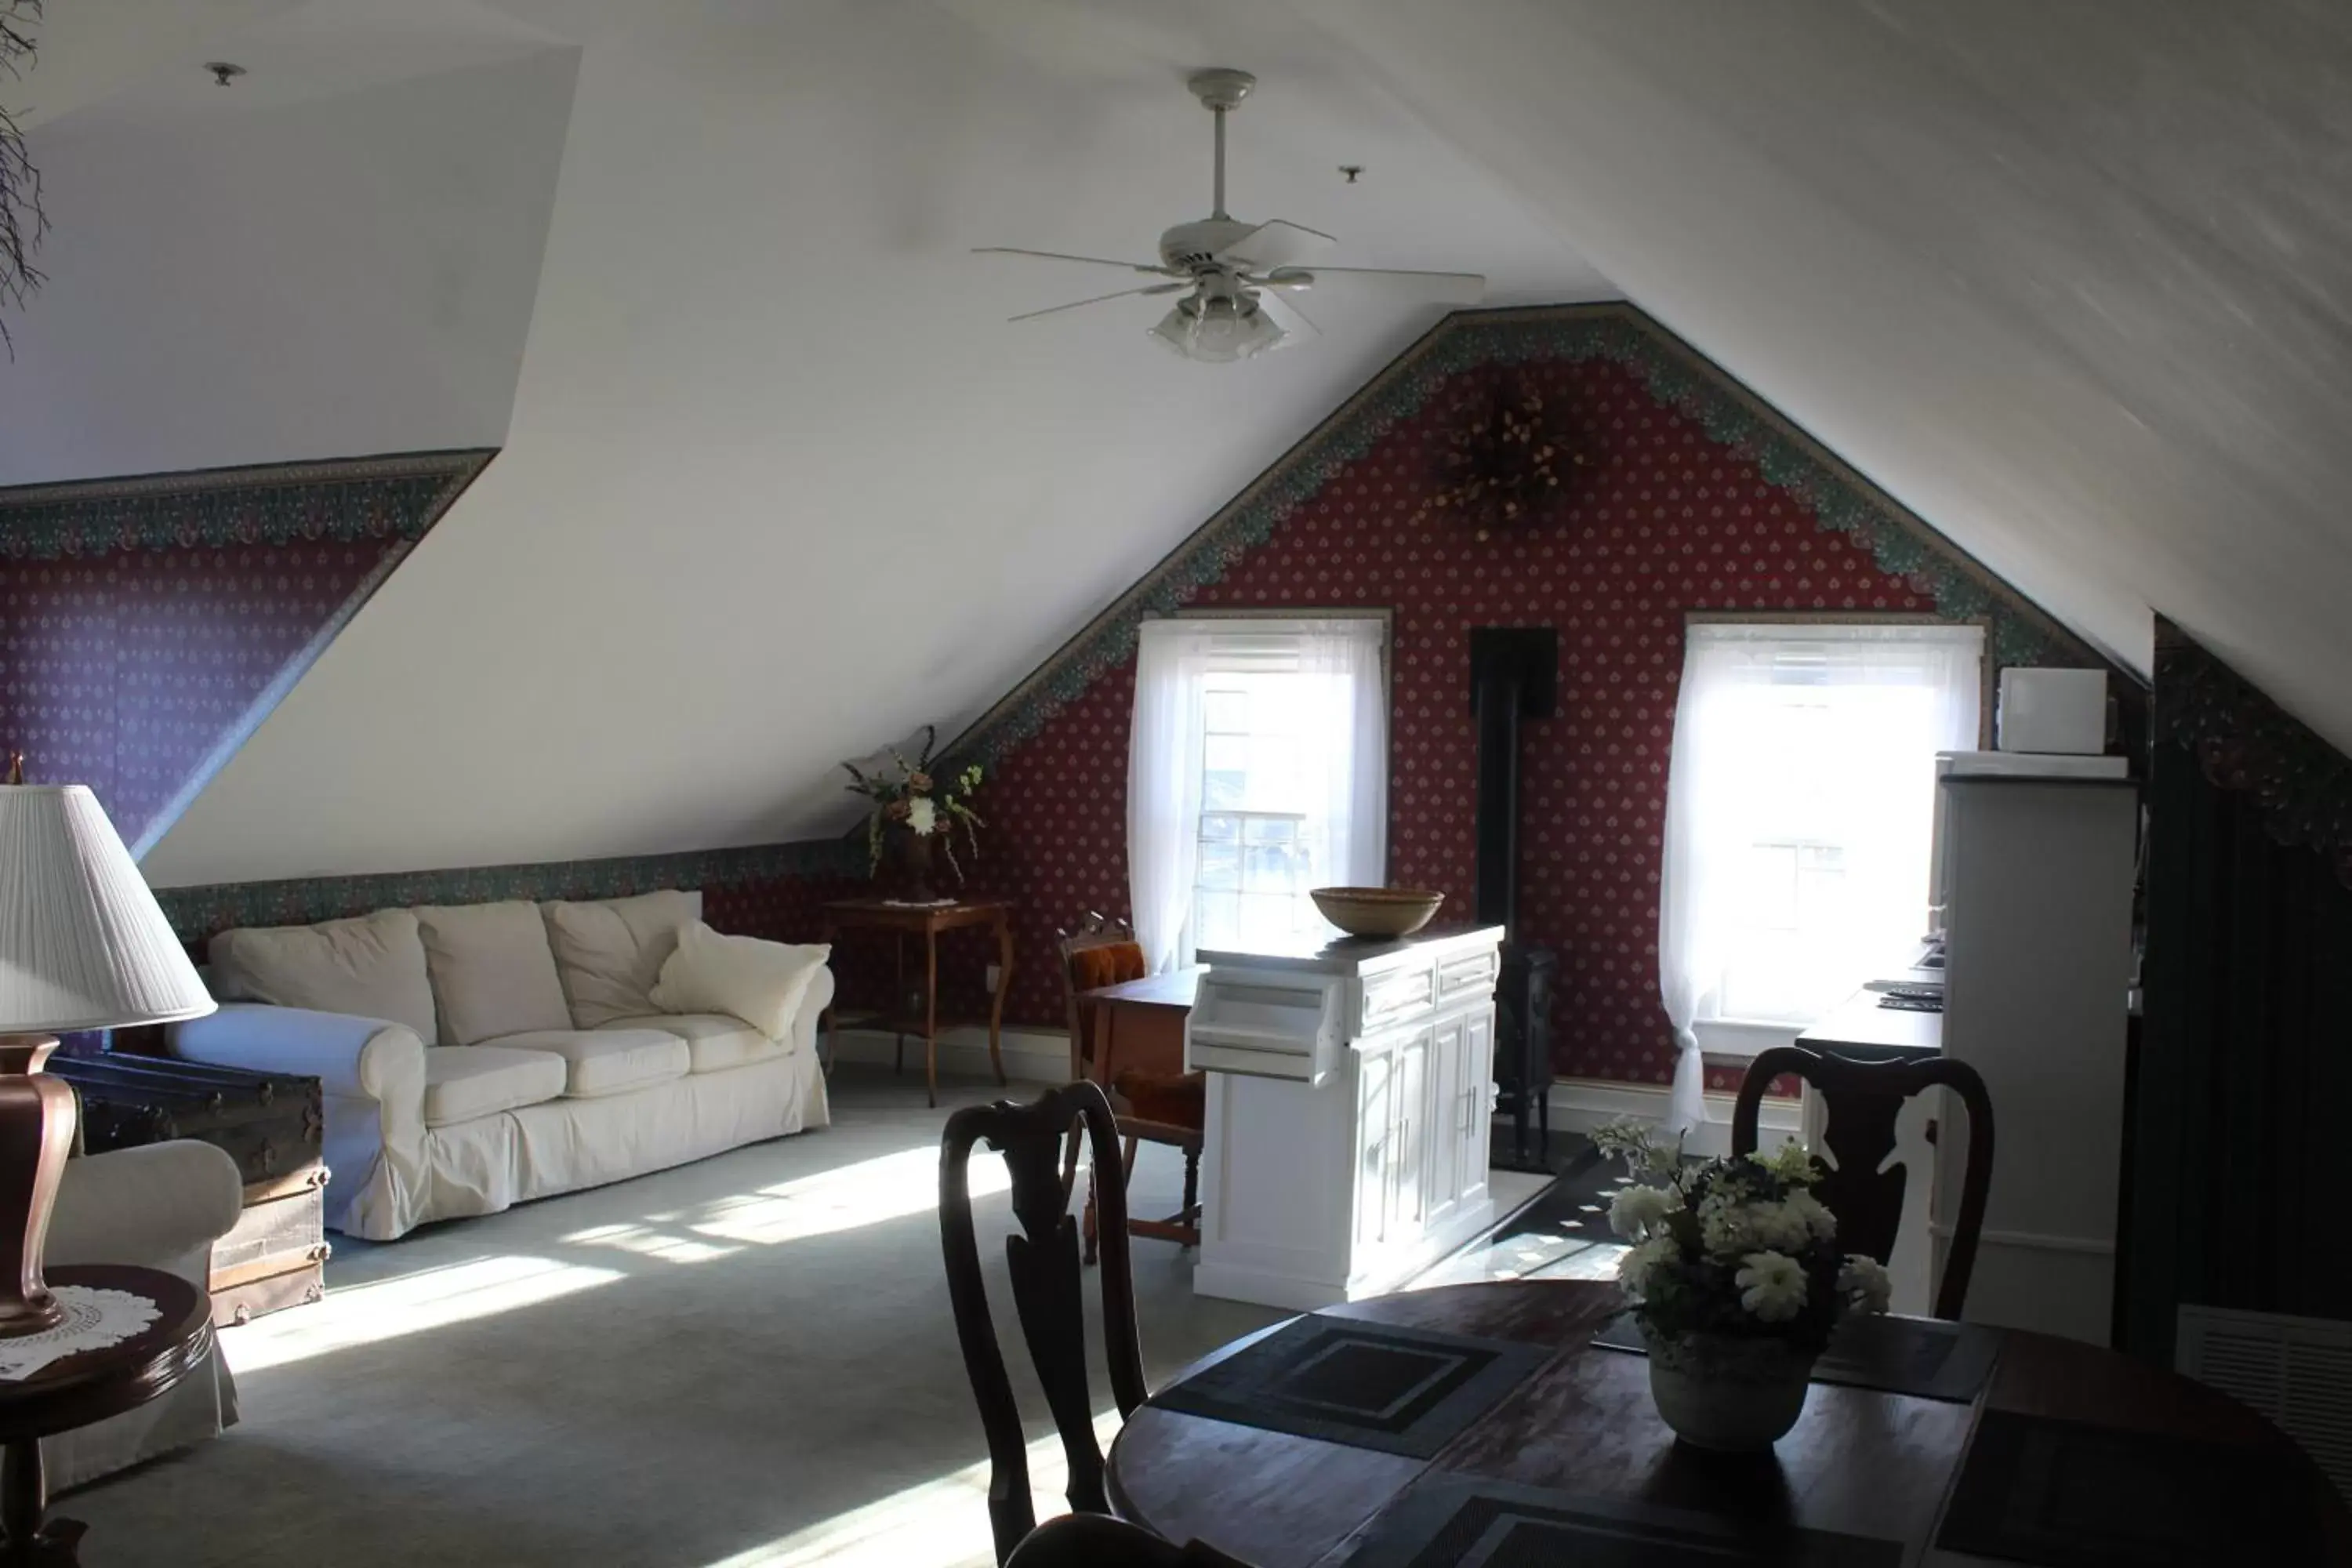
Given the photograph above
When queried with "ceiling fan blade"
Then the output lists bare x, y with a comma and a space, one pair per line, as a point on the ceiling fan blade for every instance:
1122, 294
1288, 316
1446, 287
1153, 269
1275, 244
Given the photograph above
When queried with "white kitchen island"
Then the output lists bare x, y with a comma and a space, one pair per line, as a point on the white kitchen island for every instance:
1351, 1098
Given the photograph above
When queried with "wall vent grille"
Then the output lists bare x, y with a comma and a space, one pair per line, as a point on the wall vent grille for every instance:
2297, 1370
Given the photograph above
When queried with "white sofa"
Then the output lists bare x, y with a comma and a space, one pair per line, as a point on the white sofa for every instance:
477, 1056
161, 1205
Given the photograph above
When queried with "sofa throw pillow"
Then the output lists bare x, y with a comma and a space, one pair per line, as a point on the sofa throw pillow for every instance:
373, 967
609, 953
761, 982
492, 972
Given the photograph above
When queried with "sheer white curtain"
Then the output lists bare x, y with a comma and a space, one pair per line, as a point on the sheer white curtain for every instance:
1163, 785
1342, 659
1320, 687
1799, 809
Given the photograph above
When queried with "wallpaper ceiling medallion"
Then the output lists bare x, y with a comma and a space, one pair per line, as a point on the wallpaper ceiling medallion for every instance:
2246, 742
1673, 373
1504, 465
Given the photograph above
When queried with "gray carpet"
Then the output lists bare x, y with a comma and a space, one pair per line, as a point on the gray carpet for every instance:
746, 1361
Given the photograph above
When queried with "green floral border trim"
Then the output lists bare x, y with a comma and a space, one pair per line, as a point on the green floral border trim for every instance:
1676, 375
196, 912
398, 496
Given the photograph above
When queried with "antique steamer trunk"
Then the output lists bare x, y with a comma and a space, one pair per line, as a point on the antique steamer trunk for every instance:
270, 1124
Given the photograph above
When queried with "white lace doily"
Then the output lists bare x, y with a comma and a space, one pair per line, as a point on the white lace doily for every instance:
95, 1319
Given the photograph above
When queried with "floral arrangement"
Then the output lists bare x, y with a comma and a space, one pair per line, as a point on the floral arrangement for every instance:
909, 796
1739, 1248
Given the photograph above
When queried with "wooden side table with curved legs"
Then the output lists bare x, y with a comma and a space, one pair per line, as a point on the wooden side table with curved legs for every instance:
88, 1386
916, 1012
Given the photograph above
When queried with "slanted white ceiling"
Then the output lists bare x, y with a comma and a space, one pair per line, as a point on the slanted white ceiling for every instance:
2070, 280
2073, 280
780, 483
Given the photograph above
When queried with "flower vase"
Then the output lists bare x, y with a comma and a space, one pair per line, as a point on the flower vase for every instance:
1728, 1394
907, 854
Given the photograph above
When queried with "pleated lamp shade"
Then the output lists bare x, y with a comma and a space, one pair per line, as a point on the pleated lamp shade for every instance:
83, 944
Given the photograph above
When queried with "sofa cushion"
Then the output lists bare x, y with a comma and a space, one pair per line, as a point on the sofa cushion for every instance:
607, 1061
466, 1082
492, 972
609, 953
371, 967
758, 982
714, 1041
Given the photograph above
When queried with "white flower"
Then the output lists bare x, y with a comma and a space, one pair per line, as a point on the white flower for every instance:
922, 815
1863, 1280
1772, 1285
1790, 1163
1633, 1268
1635, 1212
1819, 1223
1730, 1227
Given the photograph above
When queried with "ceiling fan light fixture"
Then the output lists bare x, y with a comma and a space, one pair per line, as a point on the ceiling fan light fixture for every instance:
1218, 329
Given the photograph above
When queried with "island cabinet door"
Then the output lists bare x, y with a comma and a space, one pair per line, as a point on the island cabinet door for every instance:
1474, 1089
1375, 1146
1448, 1124
1416, 1142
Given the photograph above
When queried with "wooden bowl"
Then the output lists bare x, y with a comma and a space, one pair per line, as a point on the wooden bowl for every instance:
1377, 911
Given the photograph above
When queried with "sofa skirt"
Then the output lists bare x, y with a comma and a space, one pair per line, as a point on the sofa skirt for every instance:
492, 1162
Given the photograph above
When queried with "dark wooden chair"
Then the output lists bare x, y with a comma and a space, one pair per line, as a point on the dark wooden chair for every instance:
1043, 1261
1863, 1096
1153, 1103
1093, 1541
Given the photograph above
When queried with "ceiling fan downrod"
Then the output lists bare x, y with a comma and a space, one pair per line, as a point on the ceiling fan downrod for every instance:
1221, 90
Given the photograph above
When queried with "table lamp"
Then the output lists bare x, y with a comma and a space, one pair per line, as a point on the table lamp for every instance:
83, 945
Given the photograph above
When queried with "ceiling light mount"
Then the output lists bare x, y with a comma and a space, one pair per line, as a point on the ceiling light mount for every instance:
1221, 87
224, 71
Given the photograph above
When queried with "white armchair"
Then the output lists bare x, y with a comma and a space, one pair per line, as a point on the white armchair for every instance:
159, 1206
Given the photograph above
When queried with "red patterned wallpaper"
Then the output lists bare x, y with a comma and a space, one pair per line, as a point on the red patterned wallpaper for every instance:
1664, 521
123, 670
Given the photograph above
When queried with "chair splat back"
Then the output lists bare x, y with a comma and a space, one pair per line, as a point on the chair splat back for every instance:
1042, 1259
1863, 1096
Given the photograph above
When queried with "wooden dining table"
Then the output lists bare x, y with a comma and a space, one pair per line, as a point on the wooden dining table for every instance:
1859, 1461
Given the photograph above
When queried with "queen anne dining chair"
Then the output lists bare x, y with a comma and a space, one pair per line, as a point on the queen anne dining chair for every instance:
1041, 1258
1863, 1095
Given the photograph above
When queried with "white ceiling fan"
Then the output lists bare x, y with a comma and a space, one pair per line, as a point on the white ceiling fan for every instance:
1234, 276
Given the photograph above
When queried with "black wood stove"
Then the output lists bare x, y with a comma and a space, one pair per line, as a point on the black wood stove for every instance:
1514, 676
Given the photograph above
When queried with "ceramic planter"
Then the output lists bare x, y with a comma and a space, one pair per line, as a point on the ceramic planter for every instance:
1730, 1394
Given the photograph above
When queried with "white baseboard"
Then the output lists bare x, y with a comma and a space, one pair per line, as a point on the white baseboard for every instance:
1031, 1055
1579, 1105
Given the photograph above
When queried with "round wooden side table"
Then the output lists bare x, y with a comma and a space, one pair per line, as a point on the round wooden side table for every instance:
85, 1387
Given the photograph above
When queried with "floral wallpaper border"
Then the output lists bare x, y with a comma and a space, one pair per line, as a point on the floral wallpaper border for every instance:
396, 496
195, 912
2246, 742
1673, 371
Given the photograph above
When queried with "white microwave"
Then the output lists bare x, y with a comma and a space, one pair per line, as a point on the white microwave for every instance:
2053, 711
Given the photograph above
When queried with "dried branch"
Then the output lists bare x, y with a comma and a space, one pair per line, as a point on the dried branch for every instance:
22, 220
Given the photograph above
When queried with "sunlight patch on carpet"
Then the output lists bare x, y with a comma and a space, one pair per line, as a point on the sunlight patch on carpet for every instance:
870, 1192
939, 1524
390, 1309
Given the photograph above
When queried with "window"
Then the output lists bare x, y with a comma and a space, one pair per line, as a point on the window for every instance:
1800, 814
1258, 769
